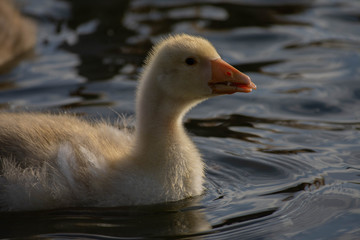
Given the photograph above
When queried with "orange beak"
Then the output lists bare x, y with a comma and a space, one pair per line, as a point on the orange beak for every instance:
226, 79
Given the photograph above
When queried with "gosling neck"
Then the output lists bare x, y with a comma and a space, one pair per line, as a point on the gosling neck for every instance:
159, 128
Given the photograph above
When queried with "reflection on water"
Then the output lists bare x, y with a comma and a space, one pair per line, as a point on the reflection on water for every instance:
184, 217
282, 162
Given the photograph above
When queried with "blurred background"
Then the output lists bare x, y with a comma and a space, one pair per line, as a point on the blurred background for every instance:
283, 162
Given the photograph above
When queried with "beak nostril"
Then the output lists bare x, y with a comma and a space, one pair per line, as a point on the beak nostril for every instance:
229, 74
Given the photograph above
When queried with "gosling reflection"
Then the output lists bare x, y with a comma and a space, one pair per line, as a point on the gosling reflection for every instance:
174, 219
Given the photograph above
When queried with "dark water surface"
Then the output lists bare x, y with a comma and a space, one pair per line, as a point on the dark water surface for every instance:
282, 162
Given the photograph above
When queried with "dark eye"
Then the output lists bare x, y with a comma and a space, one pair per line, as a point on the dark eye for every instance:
190, 61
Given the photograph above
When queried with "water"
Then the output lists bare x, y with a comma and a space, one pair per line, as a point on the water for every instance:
282, 162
